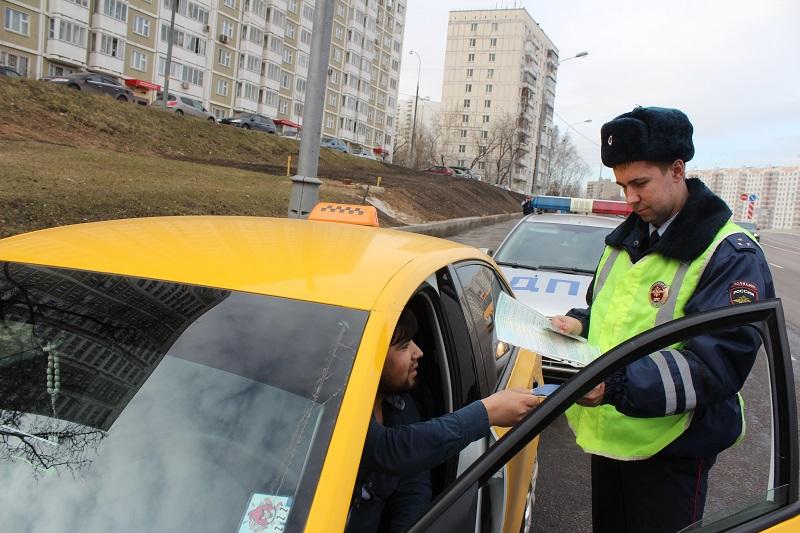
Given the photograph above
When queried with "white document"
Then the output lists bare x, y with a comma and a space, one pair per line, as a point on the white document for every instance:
518, 324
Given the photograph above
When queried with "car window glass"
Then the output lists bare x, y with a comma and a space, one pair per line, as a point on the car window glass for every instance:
206, 394
482, 288
570, 246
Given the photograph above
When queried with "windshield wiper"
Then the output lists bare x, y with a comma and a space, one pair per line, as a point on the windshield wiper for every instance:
515, 265
565, 270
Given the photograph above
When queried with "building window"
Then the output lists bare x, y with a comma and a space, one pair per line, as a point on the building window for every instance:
287, 56
463, 133
487, 103
141, 26
484, 134
470, 57
488, 87
224, 57
222, 87
469, 72
333, 99
227, 28
291, 6
473, 26
138, 61
305, 38
111, 46
466, 102
494, 26
481, 165
492, 42
490, 73
230, 3
17, 21
491, 57
68, 32
464, 118
472, 42
462, 148
115, 9
468, 88
283, 106
290, 29
329, 122
308, 12
338, 31
286, 80
485, 119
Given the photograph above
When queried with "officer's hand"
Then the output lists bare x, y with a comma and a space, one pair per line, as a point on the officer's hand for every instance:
567, 324
508, 407
594, 397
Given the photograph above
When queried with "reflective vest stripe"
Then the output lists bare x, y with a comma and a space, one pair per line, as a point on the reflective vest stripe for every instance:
667, 311
606, 270
686, 377
670, 400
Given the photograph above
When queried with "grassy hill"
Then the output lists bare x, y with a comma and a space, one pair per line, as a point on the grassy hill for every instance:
68, 157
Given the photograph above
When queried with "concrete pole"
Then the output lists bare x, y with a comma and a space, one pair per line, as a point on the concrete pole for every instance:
168, 62
305, 185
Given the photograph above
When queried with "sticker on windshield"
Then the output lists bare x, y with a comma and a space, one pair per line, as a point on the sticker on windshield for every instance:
266, 514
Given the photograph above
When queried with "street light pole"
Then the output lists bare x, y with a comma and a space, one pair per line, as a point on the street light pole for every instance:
168, 62
305, 185
416, 100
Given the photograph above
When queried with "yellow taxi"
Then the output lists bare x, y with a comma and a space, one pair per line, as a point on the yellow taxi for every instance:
217, 374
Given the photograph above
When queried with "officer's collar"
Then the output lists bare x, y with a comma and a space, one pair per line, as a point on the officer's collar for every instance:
690, 233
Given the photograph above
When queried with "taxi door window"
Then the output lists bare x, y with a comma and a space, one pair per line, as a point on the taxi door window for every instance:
481, 290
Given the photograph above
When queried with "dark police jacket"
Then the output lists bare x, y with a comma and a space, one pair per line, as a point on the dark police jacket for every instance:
719, 362
393, 485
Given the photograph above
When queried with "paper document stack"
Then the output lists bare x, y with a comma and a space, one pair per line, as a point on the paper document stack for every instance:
522, 326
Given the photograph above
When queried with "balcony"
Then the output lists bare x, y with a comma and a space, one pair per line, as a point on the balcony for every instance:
249, 47
66, 52
241, 103
109, 25
69, 9
106, 63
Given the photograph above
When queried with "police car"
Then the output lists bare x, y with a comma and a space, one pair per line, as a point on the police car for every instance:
550, 259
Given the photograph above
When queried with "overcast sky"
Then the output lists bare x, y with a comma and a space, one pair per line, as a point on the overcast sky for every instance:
732, 66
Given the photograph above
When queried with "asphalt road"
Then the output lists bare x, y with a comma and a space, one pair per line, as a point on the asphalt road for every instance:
563, 497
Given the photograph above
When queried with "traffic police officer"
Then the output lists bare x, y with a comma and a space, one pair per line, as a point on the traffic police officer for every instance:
654, 429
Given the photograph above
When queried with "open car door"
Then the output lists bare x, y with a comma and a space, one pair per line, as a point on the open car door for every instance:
454, 509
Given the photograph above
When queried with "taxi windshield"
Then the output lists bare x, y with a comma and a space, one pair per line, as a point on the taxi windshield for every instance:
546, 246
130, 405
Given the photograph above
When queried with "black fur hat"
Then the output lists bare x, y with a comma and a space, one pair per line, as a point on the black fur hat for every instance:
654, 134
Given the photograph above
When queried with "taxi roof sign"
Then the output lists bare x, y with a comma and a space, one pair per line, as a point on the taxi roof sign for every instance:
364, 215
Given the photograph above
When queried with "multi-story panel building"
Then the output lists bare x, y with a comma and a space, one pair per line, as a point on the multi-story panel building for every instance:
427, 110
603, 189
498, 95
233, 55
769, 196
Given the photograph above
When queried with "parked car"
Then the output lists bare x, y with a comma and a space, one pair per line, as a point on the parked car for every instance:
334, 144
94, 83
251, 121
752, 228
183, 105
9, 72
192, 353
366, 153
465, 172
438, 169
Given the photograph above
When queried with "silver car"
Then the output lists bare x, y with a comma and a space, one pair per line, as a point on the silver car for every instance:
183, 105
549, 261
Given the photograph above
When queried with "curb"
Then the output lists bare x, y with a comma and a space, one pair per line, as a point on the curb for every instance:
445, 228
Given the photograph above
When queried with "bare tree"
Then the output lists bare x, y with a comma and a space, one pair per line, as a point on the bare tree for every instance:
509, 147
567, 168
443, 142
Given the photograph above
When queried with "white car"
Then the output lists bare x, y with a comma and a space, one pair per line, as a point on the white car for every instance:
550, 260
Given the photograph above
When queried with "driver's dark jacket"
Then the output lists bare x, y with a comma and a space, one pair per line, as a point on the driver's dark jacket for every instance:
719, 361
393, 485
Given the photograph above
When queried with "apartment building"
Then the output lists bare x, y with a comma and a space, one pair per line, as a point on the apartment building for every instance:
603, 189
233, 55
498, 96
426, 113
774, 193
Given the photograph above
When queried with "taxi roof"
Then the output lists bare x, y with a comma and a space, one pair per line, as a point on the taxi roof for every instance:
325, 262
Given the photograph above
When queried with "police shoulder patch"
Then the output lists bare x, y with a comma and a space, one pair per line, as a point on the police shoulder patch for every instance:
743, 292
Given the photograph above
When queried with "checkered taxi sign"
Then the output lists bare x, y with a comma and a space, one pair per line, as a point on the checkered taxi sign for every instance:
364, 215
